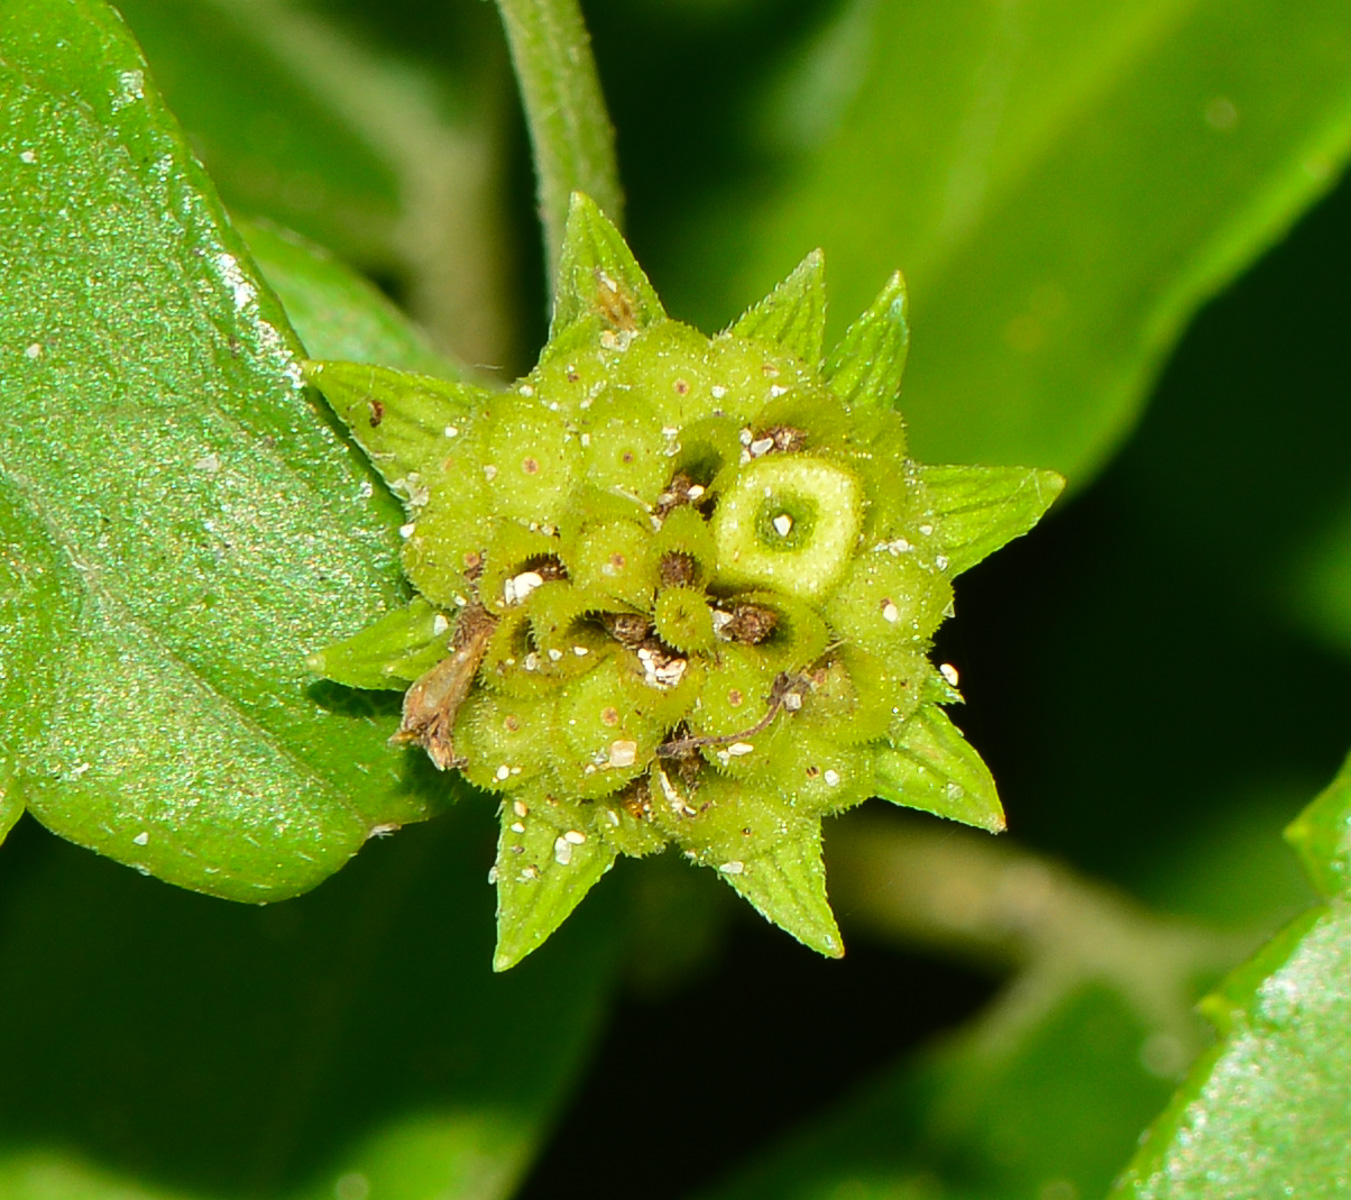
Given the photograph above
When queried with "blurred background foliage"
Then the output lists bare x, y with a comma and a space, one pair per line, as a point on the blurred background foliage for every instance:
1160, 676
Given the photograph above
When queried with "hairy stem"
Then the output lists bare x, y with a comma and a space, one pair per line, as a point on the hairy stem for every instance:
914, 883
570, 130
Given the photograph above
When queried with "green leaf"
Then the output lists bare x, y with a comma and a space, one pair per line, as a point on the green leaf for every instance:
1264, 1112
539, 885
182, 524
1063, 187
598, 275
350, 1040
933, 768
793, 315
979, 509
787, 886
338, 313
394, 415
392, 653
867, 366
1321, 835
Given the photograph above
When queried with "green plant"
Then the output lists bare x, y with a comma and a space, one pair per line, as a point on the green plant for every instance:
183, 518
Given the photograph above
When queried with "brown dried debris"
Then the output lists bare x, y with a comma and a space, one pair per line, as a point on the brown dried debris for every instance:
432, 703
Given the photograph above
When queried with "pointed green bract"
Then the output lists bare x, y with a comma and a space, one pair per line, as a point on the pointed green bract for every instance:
793, 316
980, 509
598, 275
788, 887
867, 366
393, 652
933, 768
544, 868
692, 586
402, 421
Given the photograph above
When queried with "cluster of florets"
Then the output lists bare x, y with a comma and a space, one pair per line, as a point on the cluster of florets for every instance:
671, 589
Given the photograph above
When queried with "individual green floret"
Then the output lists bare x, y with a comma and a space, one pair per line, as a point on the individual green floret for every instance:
677, 589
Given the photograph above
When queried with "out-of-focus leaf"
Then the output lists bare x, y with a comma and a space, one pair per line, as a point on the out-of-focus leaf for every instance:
1049, 1114
338, 313
1062, 185
1265, 1112
386, 161
180, 524
349, 1043
272, 143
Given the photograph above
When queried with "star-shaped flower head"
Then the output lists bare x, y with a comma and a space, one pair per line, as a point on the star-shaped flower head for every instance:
674, 588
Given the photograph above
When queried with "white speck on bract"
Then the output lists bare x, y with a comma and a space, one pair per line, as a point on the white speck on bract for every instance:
949, 672
926, 530
890, 612
575, 836
439, 625
27, 156
142, 838
407, 531
33, 351
623, 753
832, 777
738, 749
210, 463
526, 390
777, 390
719, 391
520, 808
941, 562
451, 431
517, 827
492, 875
735, 867
490, 472
580, 651
562, 851
503, 772
783, 523
555, 655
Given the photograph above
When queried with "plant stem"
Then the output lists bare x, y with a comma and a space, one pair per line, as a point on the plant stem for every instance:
570, 130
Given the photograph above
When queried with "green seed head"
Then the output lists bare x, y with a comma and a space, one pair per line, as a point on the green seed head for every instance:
677, 588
